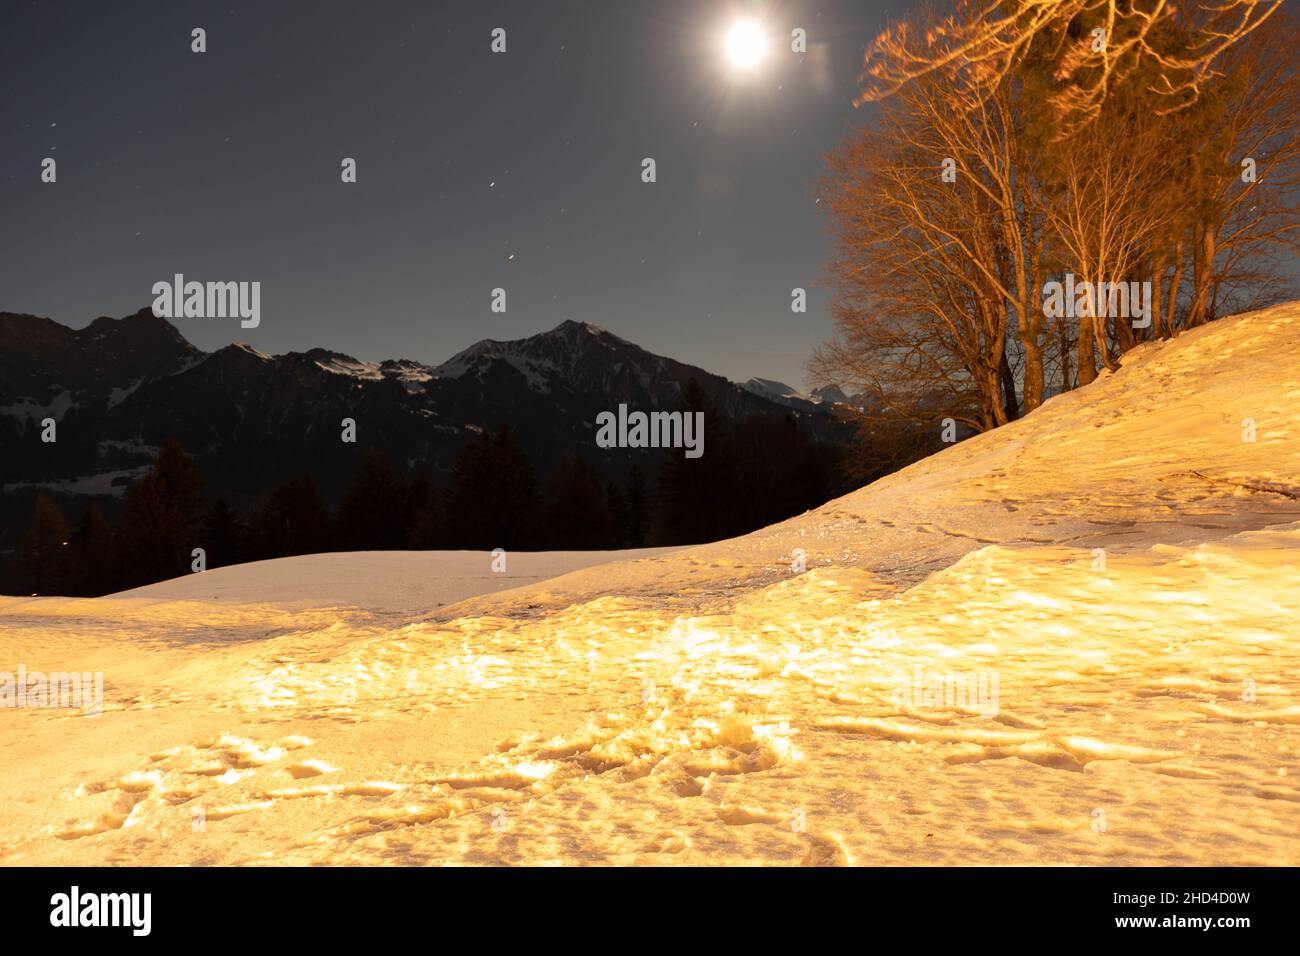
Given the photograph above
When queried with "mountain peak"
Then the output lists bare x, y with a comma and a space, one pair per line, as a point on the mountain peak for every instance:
570, 325
573, 330
245, 347
771, 388
540, 355
139, 328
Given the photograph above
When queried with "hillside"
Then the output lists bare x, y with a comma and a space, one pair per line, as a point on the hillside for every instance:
1073, 640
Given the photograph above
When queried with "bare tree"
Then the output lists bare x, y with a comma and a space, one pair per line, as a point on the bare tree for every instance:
951, 209
1247, 213
982, 42
1109, 208
930, 262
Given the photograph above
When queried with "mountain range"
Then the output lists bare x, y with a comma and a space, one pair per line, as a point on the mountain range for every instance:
118, 387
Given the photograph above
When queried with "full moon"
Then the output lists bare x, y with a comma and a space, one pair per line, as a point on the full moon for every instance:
746, 45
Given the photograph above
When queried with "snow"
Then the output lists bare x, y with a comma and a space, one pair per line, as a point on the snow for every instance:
245, 347
100, 484
1069, 641
133, 446
537, 372
353, 368
119, 395
412, 375
56, 408
396, 581
539, 359
770, 388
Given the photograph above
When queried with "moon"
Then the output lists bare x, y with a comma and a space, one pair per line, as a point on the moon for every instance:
746, 45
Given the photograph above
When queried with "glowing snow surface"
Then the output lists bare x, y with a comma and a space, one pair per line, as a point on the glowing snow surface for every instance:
959, 676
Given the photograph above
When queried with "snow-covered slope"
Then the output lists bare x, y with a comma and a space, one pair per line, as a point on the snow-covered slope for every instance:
1073, 640
396, 581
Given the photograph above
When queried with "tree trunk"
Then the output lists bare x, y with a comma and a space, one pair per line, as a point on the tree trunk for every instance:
1033, 373
1175, 280
1157, 296
1087, 361
1099, 328
1204, 275
1202, 272
1063, 346
1010, 404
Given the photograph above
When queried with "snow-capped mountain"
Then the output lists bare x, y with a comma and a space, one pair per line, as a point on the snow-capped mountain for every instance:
768, 388
787, 395
48, 369
833, 395
782, 394
120, 386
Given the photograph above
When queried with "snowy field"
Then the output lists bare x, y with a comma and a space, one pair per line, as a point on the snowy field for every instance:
1075, 640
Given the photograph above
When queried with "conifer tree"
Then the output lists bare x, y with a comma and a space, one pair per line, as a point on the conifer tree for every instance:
638, 508
375, 514
493, 501
92, 562
42, 553
160, 526
578, 518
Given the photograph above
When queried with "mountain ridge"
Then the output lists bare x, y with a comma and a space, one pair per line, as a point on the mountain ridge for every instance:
118, 387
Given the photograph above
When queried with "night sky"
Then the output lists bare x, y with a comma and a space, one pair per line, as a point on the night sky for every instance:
226, 166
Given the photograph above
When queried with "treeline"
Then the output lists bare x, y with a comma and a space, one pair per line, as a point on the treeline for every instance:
753, 473
1099, 148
